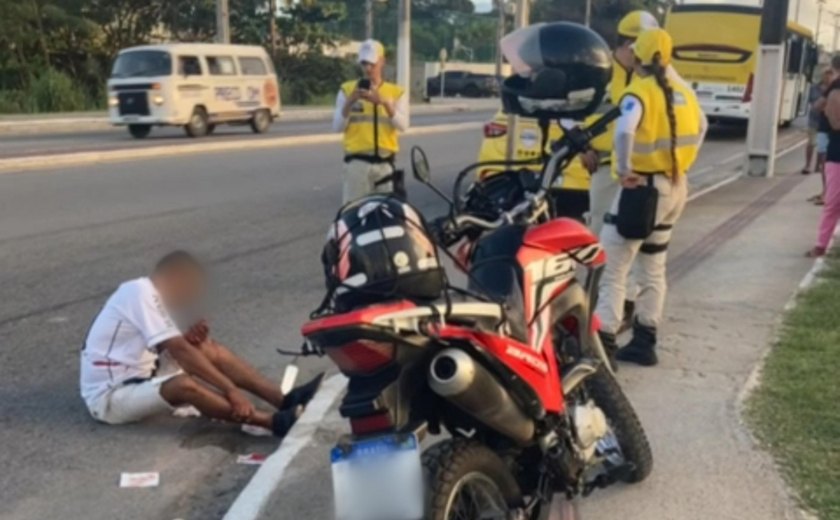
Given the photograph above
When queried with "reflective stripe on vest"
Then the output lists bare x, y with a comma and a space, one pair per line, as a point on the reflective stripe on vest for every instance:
652, 141
369, 129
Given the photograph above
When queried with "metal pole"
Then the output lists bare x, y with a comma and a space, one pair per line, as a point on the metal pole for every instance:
500, 33
836, 28
222, 22
404, 47
368, 19
272, 7
821, 4
588, 19
521, 21
769, 74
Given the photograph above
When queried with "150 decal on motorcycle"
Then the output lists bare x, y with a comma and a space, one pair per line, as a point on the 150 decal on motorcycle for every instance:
542, 278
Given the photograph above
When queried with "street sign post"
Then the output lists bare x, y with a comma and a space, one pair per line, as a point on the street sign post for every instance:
443, 56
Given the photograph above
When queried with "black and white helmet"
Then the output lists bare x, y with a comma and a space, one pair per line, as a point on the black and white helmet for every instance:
379, 249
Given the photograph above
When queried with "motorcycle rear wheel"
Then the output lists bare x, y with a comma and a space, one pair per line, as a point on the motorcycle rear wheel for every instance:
466, 480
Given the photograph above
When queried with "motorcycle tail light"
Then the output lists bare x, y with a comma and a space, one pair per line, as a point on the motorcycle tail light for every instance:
371, 424
362, 356
494, 129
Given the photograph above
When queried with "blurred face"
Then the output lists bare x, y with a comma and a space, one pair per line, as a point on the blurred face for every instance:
373, 71
182, 288
827, 77
624, 54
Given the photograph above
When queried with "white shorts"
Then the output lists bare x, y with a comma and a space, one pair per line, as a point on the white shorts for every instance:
133, 402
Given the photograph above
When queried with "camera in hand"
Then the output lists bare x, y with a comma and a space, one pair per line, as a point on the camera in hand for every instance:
364, 84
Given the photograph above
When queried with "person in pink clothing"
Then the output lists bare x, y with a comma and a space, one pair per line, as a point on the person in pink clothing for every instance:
831, 209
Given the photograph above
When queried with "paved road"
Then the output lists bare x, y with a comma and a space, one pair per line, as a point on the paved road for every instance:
118, 138
68, 237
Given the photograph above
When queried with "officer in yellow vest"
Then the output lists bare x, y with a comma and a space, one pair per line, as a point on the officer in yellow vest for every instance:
371, 113
656, 141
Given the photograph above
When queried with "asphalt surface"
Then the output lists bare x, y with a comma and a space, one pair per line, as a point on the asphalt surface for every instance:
118, 138
68, 237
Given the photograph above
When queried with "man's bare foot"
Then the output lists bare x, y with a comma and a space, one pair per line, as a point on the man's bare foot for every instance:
816, 252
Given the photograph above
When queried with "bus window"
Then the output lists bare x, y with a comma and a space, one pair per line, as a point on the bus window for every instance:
189, 66
252, 66
221, 66
795, 52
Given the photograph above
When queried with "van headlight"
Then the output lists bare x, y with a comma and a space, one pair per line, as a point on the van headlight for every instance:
113, 101
157, 99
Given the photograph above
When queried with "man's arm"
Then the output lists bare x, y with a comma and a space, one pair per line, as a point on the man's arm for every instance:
398, 112
195, 363
339, 117
832, 109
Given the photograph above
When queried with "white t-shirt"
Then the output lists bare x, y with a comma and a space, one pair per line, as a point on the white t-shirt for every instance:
123, 339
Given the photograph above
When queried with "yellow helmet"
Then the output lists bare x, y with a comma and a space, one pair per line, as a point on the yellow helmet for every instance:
653, 42
635, 22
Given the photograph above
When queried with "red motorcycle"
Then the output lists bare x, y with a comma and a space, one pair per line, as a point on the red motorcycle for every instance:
511, 368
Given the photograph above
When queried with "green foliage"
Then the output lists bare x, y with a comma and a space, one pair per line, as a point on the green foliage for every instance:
605, 13
310, 77
52, 91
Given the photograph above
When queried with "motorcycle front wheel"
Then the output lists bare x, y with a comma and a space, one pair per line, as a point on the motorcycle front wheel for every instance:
468, 481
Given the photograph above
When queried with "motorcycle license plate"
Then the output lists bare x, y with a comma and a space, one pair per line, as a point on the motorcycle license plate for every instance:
378, 479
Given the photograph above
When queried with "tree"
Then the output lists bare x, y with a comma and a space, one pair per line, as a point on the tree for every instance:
606, 13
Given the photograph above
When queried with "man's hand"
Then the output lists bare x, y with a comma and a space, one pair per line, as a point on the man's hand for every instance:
242, 407
630, 180
590, 160
198, 333
372, 96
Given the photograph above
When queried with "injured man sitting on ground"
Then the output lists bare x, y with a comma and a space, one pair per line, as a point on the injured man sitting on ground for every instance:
137, 363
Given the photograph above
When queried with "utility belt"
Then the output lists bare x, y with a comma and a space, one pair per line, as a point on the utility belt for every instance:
371, 159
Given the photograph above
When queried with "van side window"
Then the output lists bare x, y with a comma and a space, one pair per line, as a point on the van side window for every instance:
252, 66
221, 66
189, 66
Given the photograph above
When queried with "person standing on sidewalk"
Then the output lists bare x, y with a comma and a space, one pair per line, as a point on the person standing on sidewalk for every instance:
604, 183
831, 208
817, 112
657, 139
816, 104
371, 113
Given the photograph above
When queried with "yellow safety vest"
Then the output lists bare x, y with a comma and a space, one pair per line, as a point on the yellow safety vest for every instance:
652, 143
369, 130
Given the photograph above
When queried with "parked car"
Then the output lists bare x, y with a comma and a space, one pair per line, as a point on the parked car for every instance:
462, 83
195, 86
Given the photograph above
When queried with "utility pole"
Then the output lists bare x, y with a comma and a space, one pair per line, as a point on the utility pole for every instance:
368, 19
836, 29
222, 22
272, 25
404, 47
588, 19
821, 6
500, 33
521, 20
765, 105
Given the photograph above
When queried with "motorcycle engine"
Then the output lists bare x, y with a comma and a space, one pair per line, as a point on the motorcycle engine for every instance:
591, 426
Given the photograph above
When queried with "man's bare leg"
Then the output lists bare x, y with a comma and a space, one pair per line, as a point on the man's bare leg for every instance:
183, 390
242, 374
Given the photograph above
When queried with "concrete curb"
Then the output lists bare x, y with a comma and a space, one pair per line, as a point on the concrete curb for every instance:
18, 164
90, 123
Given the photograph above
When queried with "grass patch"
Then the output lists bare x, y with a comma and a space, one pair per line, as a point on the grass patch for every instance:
796, 410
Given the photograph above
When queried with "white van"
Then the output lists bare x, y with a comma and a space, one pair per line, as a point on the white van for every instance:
194, 85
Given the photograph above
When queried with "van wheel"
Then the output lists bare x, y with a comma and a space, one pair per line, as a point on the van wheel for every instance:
139, 131
197, 127
261, 121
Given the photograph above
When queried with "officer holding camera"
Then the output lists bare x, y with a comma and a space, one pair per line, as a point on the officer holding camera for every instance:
371, 113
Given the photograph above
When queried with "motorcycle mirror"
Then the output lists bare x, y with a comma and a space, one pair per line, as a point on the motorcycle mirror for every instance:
420, 165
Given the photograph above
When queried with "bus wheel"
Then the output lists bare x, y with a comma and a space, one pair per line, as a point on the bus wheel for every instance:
139, 131
197, 127
261, 121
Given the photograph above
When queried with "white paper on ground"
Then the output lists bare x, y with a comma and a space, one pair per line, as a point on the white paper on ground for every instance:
256, 431
289, 378
139, 480
254, 459
186, 411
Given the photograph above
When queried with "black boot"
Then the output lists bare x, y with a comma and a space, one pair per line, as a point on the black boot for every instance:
610, 347
642, 348
629, 313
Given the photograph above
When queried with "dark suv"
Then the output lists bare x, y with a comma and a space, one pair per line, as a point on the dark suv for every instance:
462, 83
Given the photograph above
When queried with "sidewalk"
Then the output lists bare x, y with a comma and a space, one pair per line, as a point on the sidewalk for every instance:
98, 120
736, 258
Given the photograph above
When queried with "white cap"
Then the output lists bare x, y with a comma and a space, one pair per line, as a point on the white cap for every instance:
371, 51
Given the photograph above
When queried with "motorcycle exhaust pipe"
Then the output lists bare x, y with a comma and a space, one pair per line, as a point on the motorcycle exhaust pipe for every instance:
455, 376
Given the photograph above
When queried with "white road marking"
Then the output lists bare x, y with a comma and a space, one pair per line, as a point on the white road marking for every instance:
251, 501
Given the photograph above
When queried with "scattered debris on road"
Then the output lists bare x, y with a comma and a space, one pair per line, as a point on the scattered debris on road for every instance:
139, 480
253, 459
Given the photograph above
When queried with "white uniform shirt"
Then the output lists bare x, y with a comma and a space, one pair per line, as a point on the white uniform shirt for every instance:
123, 339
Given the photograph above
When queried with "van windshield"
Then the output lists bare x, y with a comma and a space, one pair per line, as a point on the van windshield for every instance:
138, 64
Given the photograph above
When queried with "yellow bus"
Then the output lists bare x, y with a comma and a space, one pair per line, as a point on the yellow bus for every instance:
716, 49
